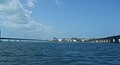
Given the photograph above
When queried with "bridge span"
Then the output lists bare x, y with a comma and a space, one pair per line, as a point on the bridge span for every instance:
2, 39
19, 40
110, 39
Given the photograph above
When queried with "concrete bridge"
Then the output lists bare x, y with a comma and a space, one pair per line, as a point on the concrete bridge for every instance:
110, 39
19, 40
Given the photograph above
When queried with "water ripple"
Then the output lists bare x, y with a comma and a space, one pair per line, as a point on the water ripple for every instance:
59, 54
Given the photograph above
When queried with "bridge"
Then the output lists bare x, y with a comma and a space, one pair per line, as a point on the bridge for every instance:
110, 39
2, 39
19, 40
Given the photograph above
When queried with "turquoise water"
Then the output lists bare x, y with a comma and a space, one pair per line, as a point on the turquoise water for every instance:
59, 53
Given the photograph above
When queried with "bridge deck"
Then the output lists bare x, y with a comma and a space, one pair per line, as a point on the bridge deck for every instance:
112, 39
19, 39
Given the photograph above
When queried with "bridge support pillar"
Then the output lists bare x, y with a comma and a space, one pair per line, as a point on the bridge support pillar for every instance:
116, 40
106, 40
110, 40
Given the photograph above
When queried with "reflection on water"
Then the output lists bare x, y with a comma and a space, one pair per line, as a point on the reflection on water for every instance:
59, 54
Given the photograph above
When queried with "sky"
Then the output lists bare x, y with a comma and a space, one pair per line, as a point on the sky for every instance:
45, 19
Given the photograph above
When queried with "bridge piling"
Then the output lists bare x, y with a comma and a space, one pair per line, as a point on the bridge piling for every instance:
116, 40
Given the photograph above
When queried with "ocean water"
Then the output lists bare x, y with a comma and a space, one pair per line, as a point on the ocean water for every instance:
48, 53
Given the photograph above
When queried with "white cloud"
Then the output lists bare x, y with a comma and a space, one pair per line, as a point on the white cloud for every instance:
31, 3
13, 14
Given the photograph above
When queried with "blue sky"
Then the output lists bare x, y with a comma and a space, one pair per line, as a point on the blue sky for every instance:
45, 19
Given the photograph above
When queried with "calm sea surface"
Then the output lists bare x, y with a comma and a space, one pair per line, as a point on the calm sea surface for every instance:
59, 53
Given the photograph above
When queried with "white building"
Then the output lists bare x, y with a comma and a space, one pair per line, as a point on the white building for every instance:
59, 40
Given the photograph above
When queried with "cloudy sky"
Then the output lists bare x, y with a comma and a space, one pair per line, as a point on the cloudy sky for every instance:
45, 19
